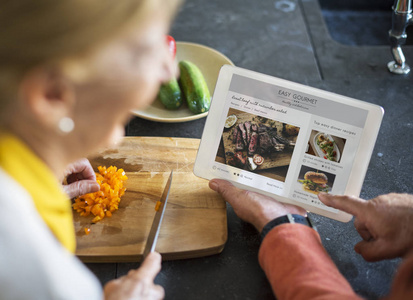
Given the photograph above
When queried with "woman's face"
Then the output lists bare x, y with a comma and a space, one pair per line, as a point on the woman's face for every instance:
129, 72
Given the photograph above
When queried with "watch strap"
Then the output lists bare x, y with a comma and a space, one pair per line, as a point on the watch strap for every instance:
289, 218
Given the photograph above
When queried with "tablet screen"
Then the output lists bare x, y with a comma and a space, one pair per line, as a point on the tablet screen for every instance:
287, 140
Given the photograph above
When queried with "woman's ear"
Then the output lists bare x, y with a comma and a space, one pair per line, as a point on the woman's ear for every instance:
48, 95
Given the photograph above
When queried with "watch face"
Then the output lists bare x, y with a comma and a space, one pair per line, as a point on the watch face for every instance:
297, 219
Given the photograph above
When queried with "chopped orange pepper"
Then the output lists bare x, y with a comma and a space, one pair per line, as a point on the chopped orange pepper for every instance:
87, 230
104, 202
158, 205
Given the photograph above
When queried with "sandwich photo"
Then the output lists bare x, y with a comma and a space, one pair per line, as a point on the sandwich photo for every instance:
315, 182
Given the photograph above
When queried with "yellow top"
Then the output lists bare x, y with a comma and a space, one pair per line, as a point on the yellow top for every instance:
32, 173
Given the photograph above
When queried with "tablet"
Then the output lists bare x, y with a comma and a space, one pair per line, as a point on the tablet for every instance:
287, 140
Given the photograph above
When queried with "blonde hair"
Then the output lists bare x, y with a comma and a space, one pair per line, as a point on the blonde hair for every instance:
37, 32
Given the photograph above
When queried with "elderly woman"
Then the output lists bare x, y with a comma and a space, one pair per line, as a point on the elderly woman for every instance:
70, 73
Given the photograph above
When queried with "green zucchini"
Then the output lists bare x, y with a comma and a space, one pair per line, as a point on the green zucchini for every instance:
170, 94
194, 87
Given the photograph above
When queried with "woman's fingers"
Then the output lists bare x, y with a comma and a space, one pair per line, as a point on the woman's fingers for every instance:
81, 169
139, 283
80, 179
80, 188
150, 266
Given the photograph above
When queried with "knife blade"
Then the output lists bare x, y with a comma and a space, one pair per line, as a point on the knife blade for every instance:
157, 220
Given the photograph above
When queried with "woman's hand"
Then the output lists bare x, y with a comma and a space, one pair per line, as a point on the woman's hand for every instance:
385, 223
138, 284
252, 207
80, 178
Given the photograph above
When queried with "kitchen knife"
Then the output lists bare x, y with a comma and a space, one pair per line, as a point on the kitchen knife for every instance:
157, 220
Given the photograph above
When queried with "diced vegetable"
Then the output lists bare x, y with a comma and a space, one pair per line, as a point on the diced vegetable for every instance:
158, 205
104, 202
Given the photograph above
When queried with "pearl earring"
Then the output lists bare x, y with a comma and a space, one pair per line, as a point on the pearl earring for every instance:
66, 125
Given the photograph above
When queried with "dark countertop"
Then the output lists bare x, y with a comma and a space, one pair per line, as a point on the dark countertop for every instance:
288, 39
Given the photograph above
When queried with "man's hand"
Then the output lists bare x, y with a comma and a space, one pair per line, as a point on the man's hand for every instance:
252, 207
138, 284
385, 223
80, 178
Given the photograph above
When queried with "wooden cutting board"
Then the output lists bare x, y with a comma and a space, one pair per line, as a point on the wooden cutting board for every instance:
195, 220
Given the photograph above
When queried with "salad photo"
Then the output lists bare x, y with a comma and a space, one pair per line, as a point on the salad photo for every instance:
326, 146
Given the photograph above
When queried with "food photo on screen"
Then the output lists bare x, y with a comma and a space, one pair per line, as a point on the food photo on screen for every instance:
315, 181
326, 146
257, 144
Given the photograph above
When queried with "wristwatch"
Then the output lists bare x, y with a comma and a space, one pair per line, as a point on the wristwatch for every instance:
290, 218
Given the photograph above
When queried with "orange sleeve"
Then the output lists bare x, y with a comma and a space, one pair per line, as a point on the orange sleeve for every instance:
298, 267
